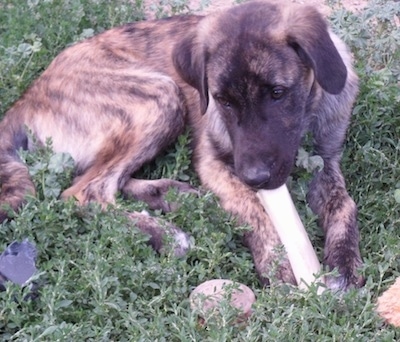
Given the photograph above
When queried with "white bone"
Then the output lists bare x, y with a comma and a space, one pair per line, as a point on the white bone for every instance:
300, 252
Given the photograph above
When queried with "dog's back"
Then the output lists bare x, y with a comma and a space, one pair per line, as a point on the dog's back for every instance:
90, 95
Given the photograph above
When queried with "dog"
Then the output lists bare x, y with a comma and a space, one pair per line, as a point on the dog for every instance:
249, 81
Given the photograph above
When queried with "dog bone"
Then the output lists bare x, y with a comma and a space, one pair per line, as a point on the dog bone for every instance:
300, 252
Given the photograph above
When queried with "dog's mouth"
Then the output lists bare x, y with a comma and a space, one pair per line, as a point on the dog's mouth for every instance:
269, 185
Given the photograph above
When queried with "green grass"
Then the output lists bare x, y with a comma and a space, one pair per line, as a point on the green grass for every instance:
99, 281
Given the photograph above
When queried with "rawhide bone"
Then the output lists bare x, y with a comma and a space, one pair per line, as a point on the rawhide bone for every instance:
300, 252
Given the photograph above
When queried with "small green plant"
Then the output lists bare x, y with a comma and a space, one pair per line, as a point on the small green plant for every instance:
174, 163
51, 172
100, 281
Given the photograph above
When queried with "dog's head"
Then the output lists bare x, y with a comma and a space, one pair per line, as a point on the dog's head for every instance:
261, 63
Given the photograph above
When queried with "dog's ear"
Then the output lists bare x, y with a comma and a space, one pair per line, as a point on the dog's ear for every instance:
190, 61
309, 36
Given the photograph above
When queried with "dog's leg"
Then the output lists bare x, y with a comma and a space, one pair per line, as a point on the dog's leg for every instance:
329, 199
153, 192
337, 213
243, 202
146, 117
163, 235
100, 182
156, 118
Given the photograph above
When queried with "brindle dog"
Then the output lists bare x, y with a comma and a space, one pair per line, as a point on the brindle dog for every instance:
250, 81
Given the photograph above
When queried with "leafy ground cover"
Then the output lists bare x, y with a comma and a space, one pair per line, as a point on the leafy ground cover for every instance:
99, 281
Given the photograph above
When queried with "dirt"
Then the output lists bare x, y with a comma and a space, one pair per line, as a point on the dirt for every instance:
352, 5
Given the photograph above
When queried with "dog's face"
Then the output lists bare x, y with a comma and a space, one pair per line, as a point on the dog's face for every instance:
261, 94
259, 64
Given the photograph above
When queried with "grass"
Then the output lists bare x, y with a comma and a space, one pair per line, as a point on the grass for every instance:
98, 279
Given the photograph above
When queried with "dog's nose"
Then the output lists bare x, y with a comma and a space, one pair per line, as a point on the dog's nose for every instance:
255, 177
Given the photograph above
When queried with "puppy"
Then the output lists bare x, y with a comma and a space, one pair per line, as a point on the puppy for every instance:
249, 81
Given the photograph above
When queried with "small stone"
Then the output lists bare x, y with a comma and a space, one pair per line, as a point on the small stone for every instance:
208, 296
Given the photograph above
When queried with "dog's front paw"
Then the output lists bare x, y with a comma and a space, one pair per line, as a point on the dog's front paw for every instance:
269, 258
275, 270
164, 236
347, 264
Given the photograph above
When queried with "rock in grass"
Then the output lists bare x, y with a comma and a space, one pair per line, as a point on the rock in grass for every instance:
208, 297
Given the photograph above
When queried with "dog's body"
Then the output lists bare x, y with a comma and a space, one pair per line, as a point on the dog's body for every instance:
250, 81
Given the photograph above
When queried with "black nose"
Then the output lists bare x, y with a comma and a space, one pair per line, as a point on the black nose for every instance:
256, 178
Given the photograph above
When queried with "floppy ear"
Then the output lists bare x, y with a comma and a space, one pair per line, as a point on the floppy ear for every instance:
309, 36
189, 60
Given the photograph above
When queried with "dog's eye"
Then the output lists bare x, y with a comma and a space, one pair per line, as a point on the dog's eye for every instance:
223, 102
277, 92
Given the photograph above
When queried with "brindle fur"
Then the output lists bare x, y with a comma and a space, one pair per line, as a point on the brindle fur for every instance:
250, 81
